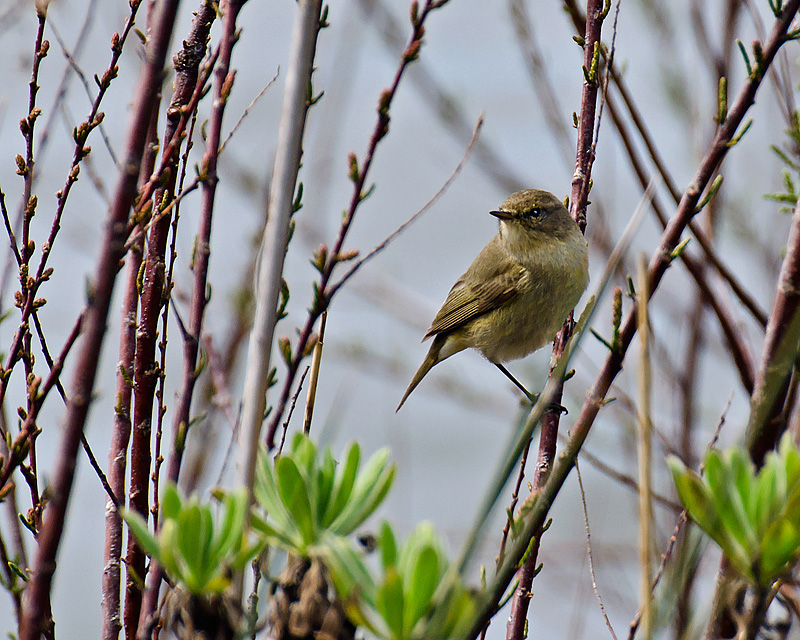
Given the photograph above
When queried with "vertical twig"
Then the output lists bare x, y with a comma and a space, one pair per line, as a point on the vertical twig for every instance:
595, 14
644, 445
191, 340
35, 619
312, 383
121, 428
154, 291
273, 246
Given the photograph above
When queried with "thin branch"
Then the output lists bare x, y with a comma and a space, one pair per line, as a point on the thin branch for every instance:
191, 343
637, 620
275, 240
447, 106
765, 426
335, 287
589, 554
358, 173
548, 438
74, 67
644, 446
292, 405
246, 112
312, 383
82, 133
155, 290
709, 251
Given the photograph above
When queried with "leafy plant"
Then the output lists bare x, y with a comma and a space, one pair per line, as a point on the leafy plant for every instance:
309, 502
193, 549
753, 516
417, 596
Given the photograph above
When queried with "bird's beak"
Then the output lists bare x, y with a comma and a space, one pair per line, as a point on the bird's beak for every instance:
503, 215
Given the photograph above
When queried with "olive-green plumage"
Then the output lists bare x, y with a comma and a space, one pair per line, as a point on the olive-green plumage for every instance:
517, 293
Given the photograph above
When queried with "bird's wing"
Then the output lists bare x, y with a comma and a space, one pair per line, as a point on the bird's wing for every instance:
468, 301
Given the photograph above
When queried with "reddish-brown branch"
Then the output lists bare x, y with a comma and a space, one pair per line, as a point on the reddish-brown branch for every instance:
517, 621
91, 122
780, 350
705, 243
121, 429
155, 290
737, 345
28, 429
36, 619
191, 338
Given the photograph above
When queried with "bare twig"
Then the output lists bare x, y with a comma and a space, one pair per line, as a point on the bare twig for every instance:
335, 287
587, 137
292, 405
589, 554
312, 383
634, 625
155, 290
275, 239
246, 112
644, 442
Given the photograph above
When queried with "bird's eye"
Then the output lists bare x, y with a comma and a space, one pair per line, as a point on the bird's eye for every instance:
536, 212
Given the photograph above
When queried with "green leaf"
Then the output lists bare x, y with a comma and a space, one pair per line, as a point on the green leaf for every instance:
171, 502
728, 502
767, 507
388, 546
424, 580
348, 571
389, 603
141, 532
268, 496
304, 452
189, 533
294, 494
780, 546
325, 477
229, 532
371, 488
274, 536
343, 486
699, 503
168, 547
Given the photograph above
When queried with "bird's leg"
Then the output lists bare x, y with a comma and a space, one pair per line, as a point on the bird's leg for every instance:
533, 398
554, 407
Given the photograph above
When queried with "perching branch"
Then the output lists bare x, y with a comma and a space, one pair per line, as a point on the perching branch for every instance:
596, 12
658, 265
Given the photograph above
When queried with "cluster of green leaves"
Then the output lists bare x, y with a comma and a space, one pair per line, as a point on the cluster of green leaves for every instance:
754, 516
307, 501
309, 505
417, 595
193, 549
312, 505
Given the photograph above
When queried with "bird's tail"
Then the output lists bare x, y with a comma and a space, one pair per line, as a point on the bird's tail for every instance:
431, 359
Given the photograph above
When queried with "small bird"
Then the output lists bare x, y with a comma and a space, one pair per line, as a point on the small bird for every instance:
517, 293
